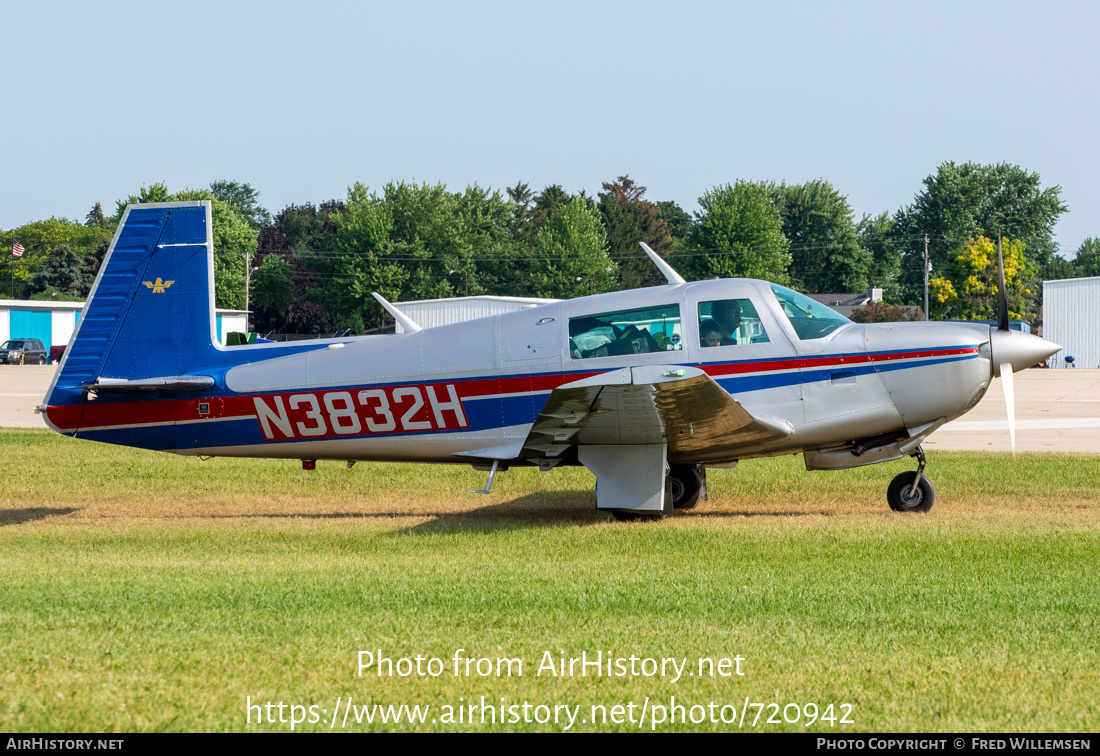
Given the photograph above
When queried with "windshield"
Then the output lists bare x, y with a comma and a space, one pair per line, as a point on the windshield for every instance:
810, 319
12, 345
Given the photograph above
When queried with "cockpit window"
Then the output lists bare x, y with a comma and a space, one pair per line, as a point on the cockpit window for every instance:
726, 322
810, 319
654, 329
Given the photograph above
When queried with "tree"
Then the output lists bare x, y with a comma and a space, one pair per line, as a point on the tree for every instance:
628, 219
428, 239
96, 218
93, 260
63, 271
960, 202
157, 192
522, 218
352, 265
876, 236
545, 205
493, 253
244, 199
883, 312
825, 251
738, 233
679, 221
968, 290
40, 238
1087, 261
571, 254
295, 232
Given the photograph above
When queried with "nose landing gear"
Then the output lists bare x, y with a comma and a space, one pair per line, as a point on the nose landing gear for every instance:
912, 492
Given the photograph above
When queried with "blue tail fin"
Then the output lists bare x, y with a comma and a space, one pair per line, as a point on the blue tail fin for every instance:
150, 311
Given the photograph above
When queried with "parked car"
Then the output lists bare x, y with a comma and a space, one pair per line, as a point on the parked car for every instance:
56, 353
23, 352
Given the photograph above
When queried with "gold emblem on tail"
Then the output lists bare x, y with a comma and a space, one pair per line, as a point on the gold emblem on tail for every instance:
158, 286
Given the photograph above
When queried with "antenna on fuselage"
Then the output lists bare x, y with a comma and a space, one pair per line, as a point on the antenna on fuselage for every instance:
399, 316
672, 276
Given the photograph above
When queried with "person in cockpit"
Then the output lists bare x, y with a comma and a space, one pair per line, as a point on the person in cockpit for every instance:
710, 334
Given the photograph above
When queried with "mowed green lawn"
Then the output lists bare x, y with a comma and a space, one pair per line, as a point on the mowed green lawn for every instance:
143, 591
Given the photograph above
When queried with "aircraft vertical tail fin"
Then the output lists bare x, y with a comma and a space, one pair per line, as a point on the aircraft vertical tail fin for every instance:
149, 313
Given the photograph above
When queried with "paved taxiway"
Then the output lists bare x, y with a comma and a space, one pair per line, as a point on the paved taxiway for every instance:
1056, 410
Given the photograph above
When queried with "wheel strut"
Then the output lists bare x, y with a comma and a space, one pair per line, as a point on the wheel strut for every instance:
921, 461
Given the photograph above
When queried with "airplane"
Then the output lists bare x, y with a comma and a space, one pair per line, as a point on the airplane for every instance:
648, 389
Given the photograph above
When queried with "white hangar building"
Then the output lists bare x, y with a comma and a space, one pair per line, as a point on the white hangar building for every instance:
428, 313
1071, 317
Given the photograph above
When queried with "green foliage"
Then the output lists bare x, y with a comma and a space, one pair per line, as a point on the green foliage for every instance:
1059, 268
969, 288
491, 261
96, 218
825, 253
1087, 261
882, 312
64, 271
521, 222
40, 238
157, 192
244, 199
571, 254
272, 285
876, 237
55, 295
960, 202
739, 233
679, 221
628, 219
545, 205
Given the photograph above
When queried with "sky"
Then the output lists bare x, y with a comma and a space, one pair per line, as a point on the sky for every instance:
301, 100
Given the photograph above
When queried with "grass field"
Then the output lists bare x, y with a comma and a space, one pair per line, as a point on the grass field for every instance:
141, 591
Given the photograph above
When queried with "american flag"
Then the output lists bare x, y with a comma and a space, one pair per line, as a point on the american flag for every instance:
17, 249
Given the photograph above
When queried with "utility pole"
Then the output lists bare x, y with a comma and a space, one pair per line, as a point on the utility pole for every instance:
467, 273
927, 270
247, 278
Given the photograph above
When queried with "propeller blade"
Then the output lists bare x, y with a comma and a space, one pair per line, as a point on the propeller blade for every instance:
1002, 291
1010, 404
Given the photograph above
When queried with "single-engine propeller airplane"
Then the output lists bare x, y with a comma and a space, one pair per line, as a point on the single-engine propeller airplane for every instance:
645, 388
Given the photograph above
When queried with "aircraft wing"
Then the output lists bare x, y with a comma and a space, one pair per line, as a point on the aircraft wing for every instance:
673, 404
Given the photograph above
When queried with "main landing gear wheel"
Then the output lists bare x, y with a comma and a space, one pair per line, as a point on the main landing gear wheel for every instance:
686, 482
912, 492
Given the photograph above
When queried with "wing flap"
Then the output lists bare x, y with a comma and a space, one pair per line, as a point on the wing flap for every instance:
673, 404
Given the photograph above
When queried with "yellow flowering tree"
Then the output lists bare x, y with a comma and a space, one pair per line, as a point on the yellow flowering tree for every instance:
968, 290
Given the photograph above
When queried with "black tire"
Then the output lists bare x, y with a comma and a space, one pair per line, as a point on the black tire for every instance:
901, 487
41, 360
686, 482
631, 515
634, 515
